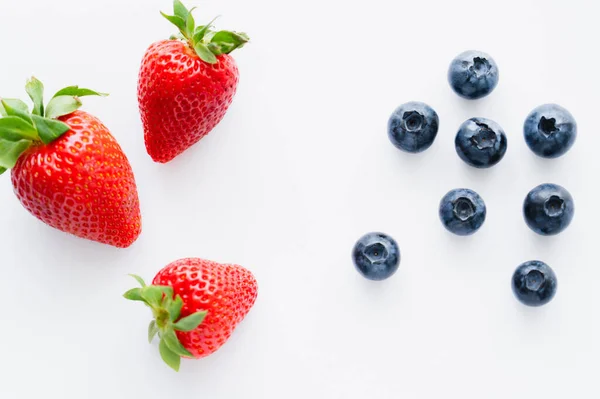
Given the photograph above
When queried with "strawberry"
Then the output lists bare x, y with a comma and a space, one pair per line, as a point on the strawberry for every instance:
186, 84
196, 305
67, 169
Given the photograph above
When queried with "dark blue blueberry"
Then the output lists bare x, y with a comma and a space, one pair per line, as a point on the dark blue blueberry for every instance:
462, 211
550, 130
413, 127
534, 283
480, 142
376, 256
548, 209
473, 74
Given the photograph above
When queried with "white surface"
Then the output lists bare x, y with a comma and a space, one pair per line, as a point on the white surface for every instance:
299, 169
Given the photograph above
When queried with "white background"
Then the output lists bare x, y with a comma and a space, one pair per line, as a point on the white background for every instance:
298, 170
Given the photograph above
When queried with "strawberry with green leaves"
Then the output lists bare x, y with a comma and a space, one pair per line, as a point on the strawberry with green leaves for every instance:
196, 305
67, 169
186, 84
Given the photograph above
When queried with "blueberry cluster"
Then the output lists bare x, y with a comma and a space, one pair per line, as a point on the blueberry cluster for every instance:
549, 131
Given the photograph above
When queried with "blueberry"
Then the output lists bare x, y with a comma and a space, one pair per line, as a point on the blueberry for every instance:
480, 142
534, 283
413, 127
548, 209
376, 256
473, 74
550, 130
462, 211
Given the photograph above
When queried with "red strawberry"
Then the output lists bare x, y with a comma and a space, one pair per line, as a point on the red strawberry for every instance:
186, 85
67, 169
196, 305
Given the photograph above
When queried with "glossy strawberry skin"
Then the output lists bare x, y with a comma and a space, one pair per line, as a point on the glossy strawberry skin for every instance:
181, 97
226, 292
81, 184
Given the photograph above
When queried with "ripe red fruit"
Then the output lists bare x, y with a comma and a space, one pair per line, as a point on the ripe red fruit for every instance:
67, 169
186, 85
196, 305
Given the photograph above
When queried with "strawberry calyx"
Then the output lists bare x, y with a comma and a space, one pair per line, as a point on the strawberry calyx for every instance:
21, 128
166, 309
207, 43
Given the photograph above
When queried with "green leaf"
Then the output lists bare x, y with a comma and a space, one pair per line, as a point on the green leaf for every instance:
167, 290
10, 151
235, 39
180, 10
172, 359
35, 89
190, 322
17, 108
224, 42
15, 104
175, 308
62, 105
217, 49
139, 279
204, 53
152, 330
200, 31
152, 294
177, 21
134, 294
13, 128
2, 170
49, 129
173, 343
190, 24
78, 92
